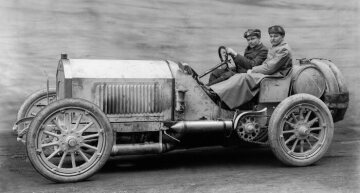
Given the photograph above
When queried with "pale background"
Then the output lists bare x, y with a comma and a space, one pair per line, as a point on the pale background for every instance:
34, 33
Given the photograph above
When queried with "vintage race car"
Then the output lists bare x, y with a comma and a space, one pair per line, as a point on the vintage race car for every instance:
121, 107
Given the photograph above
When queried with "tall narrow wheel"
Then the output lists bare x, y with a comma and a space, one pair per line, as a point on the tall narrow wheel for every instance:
69, 140
300, 130
33, 104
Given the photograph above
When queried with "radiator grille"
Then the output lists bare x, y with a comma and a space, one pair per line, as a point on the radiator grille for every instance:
130, 98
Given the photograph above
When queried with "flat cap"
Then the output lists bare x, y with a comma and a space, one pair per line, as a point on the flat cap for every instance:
277, 29
252, 32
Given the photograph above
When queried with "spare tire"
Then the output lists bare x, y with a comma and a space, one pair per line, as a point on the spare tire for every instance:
308, 79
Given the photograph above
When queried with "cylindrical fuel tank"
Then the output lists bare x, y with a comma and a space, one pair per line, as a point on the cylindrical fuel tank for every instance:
308, 79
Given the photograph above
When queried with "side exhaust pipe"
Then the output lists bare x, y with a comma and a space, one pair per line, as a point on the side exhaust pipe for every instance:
141, 148
134, 149
180, 127
201, 126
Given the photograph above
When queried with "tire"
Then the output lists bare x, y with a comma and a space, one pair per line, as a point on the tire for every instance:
33, 104
69, 140
300, 130
32, 100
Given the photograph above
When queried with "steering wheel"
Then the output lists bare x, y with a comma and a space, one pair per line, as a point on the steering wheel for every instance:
224, 57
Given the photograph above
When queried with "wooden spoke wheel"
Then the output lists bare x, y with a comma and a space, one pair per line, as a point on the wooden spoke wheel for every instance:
33, 104
300, 130
69, 140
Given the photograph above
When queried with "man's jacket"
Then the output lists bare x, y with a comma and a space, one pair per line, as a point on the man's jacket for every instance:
252, 57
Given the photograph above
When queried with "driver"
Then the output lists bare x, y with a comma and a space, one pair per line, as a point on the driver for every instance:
242, 87
255, 53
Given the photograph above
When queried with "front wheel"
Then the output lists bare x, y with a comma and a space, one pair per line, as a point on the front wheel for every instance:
300, 130
69, 140
33, 104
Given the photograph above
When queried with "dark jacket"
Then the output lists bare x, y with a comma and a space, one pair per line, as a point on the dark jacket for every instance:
252, 57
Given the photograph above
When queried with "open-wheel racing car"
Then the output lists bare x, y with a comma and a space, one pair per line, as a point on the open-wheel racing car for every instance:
121, 107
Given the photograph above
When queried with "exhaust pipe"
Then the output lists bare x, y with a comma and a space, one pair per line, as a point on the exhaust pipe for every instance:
141, 148
201, 126
180, 127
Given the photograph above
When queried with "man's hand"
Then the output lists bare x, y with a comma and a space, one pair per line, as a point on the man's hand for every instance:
249, 71
186, 68
231, 52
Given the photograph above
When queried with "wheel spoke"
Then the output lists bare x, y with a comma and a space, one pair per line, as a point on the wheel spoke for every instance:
307, 140
294, 145
302, 146
58, 126
89, 146
83, 155
50, 144
78, 122
86, 127
316, 128
52, 134
311, 123
91, 136
62, 159
291, 124
289, 131
290, 139
73, 159
313, 136
67, 121
307, 116
294, 117
301, 112
53, 154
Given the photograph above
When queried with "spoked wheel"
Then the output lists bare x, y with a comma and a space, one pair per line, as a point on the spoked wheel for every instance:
69, 140
33, 104
300, 130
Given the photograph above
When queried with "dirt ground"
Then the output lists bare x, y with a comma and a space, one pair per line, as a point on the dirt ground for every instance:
35, 33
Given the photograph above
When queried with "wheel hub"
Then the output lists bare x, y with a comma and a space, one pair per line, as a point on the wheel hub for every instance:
302, 132
249, 128
72, 142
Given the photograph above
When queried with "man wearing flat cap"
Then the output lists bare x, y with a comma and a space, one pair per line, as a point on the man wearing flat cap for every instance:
279, 58
241, 88
255, 53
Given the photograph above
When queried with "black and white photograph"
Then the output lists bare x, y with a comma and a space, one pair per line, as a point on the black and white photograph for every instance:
173, 96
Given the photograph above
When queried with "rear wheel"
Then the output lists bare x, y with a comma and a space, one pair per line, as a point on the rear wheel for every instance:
300, 130
69, 140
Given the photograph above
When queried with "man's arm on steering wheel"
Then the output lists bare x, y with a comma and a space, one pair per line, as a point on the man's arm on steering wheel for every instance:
245, 62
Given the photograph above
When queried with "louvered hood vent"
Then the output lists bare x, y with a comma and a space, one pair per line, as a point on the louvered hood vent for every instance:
129, 98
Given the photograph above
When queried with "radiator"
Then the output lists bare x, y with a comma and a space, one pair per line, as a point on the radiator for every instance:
129, 98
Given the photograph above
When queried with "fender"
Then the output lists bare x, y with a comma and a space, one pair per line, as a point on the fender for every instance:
239, 116
336, 95
22, 132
